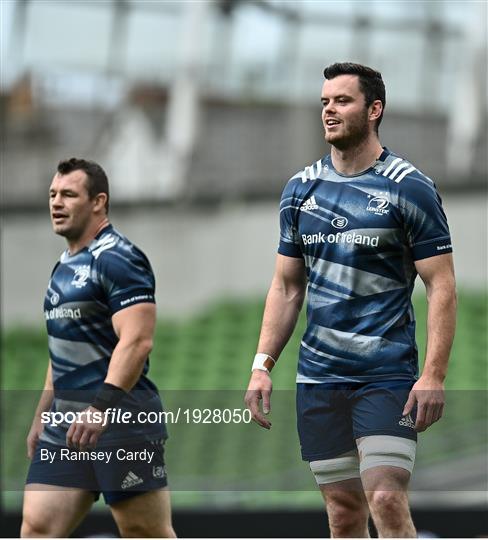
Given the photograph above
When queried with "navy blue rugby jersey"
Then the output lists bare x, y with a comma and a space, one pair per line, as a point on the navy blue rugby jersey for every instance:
359, 237
84, 291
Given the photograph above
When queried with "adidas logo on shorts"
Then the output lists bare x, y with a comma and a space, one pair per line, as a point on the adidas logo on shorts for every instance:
131, 480
310, 204
407, 421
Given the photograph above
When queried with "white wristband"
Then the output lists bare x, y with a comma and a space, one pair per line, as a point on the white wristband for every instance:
264, 362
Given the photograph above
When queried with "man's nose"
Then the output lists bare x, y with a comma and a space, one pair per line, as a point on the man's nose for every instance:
56, 200
329, 107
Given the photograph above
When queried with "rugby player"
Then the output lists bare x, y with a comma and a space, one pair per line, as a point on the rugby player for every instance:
357, 227
100, 316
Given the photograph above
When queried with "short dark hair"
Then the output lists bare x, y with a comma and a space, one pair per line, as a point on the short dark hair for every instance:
97, 181
370, 82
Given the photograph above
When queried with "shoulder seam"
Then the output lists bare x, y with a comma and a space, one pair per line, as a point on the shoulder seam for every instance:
310, 172
105, 243
398, 169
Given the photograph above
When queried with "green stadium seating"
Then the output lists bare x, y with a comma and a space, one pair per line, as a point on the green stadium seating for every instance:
205, 359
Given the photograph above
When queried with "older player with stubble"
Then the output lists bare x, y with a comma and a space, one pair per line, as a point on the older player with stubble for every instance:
100, 315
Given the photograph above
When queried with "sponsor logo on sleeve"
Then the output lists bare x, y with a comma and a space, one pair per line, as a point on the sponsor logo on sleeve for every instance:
137, 298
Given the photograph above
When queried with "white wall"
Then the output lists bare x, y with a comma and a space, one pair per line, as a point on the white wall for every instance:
198, 255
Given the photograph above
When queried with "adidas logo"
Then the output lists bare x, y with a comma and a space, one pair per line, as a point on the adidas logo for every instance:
310, 204
131, 480
407, 421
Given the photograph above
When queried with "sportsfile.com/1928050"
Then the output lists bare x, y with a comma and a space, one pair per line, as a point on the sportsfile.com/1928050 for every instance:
118, 416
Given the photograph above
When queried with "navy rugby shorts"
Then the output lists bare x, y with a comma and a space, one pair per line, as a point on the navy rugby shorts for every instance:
331, 416
127, 471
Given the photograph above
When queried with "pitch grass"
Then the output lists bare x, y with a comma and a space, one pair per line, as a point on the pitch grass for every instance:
213, 351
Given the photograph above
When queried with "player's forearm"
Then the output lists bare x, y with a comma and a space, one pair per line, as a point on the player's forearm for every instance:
127, 362
441, 324
47, 395
283, 305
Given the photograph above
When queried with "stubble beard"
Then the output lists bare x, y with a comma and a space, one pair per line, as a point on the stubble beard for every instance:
72, 232
355, 135
68, 233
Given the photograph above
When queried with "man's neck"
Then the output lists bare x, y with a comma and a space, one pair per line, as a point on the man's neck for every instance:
75, 245
358, 158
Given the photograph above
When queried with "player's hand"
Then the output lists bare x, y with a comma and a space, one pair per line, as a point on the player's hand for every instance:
33, 437
83, 433
259, 389
428, 394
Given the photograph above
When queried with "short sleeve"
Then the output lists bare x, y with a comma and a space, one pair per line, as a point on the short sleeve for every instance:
289, 237
127, 278
424, 219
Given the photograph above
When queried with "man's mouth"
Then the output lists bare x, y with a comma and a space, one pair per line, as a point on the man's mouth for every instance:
331, 122
58, 216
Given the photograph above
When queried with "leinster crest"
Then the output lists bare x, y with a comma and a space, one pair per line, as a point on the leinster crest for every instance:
82, 273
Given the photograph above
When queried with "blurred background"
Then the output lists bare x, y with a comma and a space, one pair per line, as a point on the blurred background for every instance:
200, 112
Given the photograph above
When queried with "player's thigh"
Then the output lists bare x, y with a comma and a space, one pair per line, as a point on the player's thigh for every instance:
386, 461
386, 465
339, 482
323, 421
386, 440
145, 514
377, 409
52, 511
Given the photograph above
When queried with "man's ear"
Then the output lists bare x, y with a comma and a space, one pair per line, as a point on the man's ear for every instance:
100, 200
376, 109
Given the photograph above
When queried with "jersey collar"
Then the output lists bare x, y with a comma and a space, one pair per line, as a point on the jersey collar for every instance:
65, 256
384, 154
